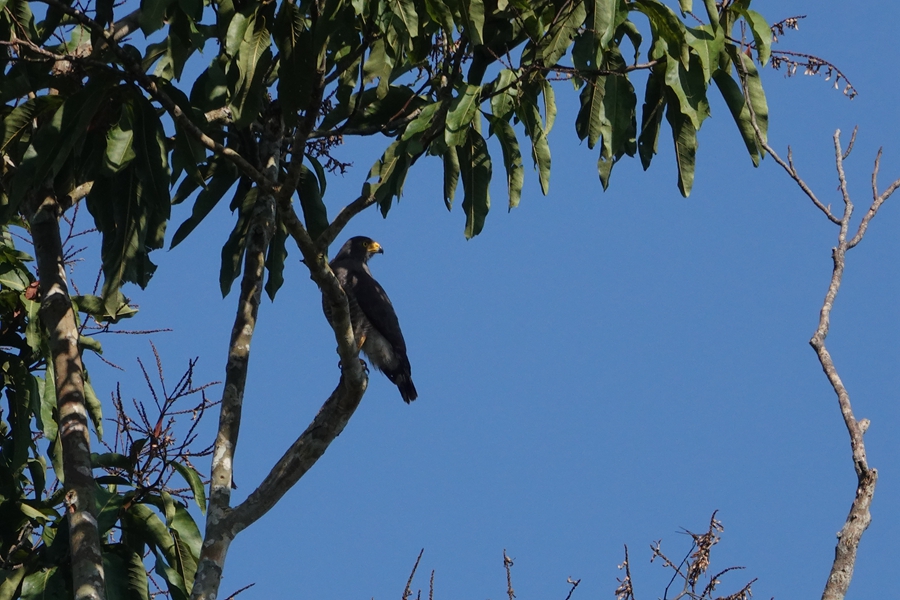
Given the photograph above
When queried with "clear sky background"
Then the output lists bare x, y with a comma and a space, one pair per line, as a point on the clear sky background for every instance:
595, 369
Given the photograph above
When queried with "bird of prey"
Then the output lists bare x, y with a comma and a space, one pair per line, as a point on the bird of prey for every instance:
375, 324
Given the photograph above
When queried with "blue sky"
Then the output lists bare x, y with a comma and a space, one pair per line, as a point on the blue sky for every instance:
595, 369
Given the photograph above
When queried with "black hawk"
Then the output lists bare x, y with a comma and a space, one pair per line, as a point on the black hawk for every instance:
372, 315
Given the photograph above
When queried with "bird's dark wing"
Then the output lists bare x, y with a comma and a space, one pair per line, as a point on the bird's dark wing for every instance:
377, 308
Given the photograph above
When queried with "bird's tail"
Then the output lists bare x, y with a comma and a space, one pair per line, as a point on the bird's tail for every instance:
406, 387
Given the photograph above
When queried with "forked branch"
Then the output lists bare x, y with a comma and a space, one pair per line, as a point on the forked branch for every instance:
859, 517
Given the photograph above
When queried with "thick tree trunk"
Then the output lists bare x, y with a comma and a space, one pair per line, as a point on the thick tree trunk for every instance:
59, 319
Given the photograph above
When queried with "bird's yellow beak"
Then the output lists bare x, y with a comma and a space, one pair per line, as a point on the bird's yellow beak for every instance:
375, 248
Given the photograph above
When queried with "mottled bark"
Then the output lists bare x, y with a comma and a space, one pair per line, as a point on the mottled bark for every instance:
218, 536
859, 517
58, 318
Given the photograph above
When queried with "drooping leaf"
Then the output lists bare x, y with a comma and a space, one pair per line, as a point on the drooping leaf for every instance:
754, 88
275, 257
94, 408
315, 213
762, 34
233, 250
124, 572
651, 116
108, 505
22, 116
530, 116
120, 141
475, 171
666, 26
45, 584
685, 137
462, 111
558, 38
734, 99
451, 175
222, 179
512, 159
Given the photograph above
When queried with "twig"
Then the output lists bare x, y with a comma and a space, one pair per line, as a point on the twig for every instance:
406, 591
507, 564
787, 166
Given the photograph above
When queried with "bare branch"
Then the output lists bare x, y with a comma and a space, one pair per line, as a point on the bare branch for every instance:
406, 591
787, 166
507, 564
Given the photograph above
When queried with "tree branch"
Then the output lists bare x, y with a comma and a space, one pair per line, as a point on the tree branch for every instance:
58, 317
787, 166
859, 517
301, 456
262, 227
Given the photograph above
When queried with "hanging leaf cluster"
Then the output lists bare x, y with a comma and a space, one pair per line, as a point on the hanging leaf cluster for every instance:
92, 111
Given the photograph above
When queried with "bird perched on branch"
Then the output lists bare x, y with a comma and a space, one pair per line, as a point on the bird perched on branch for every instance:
375, 324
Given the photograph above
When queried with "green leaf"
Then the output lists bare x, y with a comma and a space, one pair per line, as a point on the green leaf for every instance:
605, 17
471, 20
188, 542
708, 43
254, 59
391, 170
110, 460
590, 122
168, 506
48, 406
685, 5
685, 137
405, 10
475, 170
233, 250
712, 12
276, 255
223, 177
97, 308
504, 103
651, 116
120, 141
562, 30
451, 175
152, 14
94, 408
176, 585
762, 34
754, 88
108, 505
22, 116
10, 580
512, 159
665, 26
315, 214
422, 122
528, 113
53, 143
46, 584
462, 111
734, 99
549, 98
124, 573
689, 87
238, 26
192, 477
440, 13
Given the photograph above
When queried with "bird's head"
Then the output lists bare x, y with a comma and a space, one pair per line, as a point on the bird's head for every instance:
360, 248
